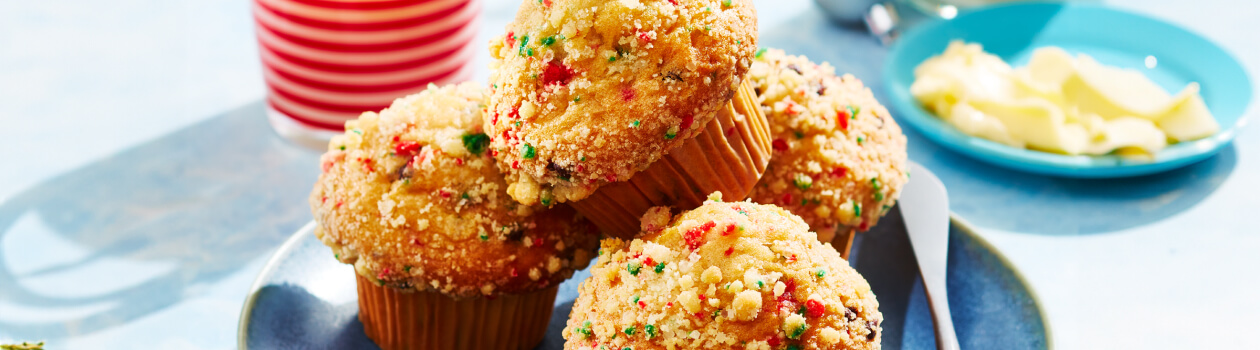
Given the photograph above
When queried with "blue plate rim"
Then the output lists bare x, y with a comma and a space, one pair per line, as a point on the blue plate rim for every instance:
1106, 166
242, 330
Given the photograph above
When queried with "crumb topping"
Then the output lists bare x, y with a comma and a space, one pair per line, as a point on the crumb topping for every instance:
412, 199
839, 157
728, 275
588, 92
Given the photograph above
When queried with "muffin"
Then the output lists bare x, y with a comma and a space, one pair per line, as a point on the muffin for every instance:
725, 275
839, 158
589, 93
444, 257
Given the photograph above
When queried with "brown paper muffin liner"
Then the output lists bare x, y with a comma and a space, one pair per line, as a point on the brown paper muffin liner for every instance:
396, 319
843, 240
728, 156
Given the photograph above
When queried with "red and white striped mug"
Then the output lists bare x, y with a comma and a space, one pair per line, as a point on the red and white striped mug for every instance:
327, 61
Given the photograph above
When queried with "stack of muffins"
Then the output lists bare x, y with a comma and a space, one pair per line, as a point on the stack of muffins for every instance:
463, 207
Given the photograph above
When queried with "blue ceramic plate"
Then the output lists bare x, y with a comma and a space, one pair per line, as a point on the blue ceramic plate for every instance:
304, 299
1113, 37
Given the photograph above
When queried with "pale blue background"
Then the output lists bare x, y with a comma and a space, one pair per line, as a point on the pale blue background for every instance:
1166, 261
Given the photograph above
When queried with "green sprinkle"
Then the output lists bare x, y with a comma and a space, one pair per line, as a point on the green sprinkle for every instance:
357, 131
634, 299
727, 3
885, 207
799, 135
707, 28
464, 195
707, 9
546, 199
585, 330
612, 58
820, 273
577, 99
796, 332
583, 159
860, 140
475, 142
343, 147
380, 282
801, 310
803, 181
484, 237
717, 313
793, 347
337, 256
633, 268
875, 183
671, 133
857, 209
406, 268
549, 40
853, 111
879, 196
529, 51
407, 181
634, 124
527, 151
625, 348
760, 52
629, 330
651, 331
660, 267
518, 123
761, 284
524, 40
804, 201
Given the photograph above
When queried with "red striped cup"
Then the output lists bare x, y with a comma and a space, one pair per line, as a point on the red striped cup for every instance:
327, 61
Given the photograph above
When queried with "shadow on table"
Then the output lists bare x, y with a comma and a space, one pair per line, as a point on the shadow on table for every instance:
149, 226
993, 197
289, 317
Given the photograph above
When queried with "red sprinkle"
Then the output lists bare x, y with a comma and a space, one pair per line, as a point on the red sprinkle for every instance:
384, 272
338, 205
773, 341
513, 272
416, 241
406, 148
642, 304
787, 198
842, 119
730, 228
510, 39
581, 168
669, 305
702, 297
516, 164
730, 130
627, 94
444, 194
323, 200
839, 171
644, 37
730, 250
814, 308
367, 164
863, 226
695, 236
459, 161
556, 73
538, 241
647, 261
779, 145
686, 123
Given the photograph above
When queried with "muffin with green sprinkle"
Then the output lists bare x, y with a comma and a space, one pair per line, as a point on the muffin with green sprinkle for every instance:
726, 276
618, 106
839, 157
445, 259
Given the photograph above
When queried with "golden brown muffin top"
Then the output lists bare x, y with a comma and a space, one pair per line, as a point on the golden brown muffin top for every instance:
411, 198
839, 157
587, 92
725, 275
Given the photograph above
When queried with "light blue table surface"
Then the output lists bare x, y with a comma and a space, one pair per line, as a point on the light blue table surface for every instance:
141, 191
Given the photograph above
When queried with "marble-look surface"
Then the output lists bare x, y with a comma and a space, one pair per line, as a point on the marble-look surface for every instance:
1163, 261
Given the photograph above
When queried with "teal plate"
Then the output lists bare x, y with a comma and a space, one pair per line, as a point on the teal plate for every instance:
1111, 36
304, 299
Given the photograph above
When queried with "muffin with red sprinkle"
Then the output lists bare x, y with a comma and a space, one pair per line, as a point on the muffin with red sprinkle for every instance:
839, 157
412, 199
645, 97
725, 275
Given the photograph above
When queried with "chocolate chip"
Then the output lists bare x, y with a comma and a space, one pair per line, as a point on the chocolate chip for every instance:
757, 90
794, 68
676, 76
850, 314
871, 330
822, 88
516, 234
560, 171
405, 171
